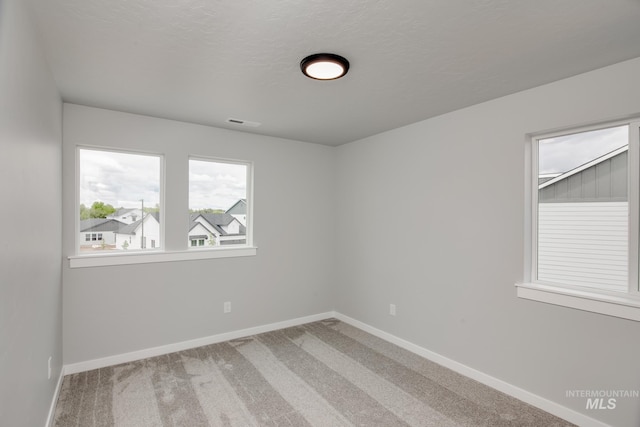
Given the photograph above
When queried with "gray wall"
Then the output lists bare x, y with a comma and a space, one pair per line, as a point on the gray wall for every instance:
119, 309
30, 214
451, 270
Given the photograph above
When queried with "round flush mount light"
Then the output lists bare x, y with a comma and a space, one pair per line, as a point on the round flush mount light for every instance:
324, 66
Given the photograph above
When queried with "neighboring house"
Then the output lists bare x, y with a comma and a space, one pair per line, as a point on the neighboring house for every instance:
239, 211
215, 229
582, 220
96, 232
135, 236
127, 215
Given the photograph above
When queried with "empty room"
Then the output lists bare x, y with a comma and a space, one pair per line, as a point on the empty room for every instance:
320, 213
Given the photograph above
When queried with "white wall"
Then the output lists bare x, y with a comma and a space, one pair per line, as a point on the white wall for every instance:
30, 193
594, 243
460, 182
232, 228
108, 238
134, 241
114, 310
202, 230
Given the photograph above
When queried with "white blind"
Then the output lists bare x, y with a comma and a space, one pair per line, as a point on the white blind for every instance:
584, 244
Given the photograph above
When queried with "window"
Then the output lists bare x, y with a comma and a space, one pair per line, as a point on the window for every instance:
218, 203
584, 220
119, 195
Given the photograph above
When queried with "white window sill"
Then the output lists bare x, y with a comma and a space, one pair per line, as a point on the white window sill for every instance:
624, 306
103, 260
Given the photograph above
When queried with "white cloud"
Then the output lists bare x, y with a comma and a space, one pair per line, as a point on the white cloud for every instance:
216, 185
563, 153
123, 179
119, 179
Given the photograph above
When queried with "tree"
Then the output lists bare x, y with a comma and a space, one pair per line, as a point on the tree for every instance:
152, 210
84, 212
97, 210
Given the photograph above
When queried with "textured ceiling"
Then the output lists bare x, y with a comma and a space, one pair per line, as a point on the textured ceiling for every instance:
205, 61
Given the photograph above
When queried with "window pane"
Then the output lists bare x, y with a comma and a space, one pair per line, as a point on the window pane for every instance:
583, 209
119, 200
217, 203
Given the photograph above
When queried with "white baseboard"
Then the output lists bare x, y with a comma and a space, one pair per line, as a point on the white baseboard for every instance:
54, 401
117, 359
528, 397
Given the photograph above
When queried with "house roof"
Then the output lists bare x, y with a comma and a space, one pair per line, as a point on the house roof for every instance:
238, 208
216, 220
582, 167
100, 224
131, 228
123, 211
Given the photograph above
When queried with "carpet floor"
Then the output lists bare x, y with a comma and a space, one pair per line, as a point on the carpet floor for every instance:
324, 373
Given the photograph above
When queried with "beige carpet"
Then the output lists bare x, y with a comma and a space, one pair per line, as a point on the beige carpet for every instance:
324, 373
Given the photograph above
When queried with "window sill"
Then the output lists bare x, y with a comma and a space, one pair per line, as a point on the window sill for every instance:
624, 306
103, 260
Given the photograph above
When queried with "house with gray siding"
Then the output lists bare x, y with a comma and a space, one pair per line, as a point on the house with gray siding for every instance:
583, 224
98, 232
239, 211
601, 180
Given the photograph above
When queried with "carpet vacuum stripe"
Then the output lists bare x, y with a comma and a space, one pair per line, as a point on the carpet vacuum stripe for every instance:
325, 373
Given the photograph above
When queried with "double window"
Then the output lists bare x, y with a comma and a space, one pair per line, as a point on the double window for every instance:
120, 203
583, 223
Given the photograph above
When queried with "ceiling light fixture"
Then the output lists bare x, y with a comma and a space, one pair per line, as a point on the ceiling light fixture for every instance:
324, 66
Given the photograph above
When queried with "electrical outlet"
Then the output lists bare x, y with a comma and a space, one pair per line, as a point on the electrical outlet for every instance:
49, 368
392, 309
227, 307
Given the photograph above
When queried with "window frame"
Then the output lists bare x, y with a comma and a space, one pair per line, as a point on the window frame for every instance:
624, 305
248, 200
160, 253
161, 180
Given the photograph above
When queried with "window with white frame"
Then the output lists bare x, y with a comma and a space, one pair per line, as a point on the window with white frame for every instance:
119, 200
119, 194
584, 219
218, 203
